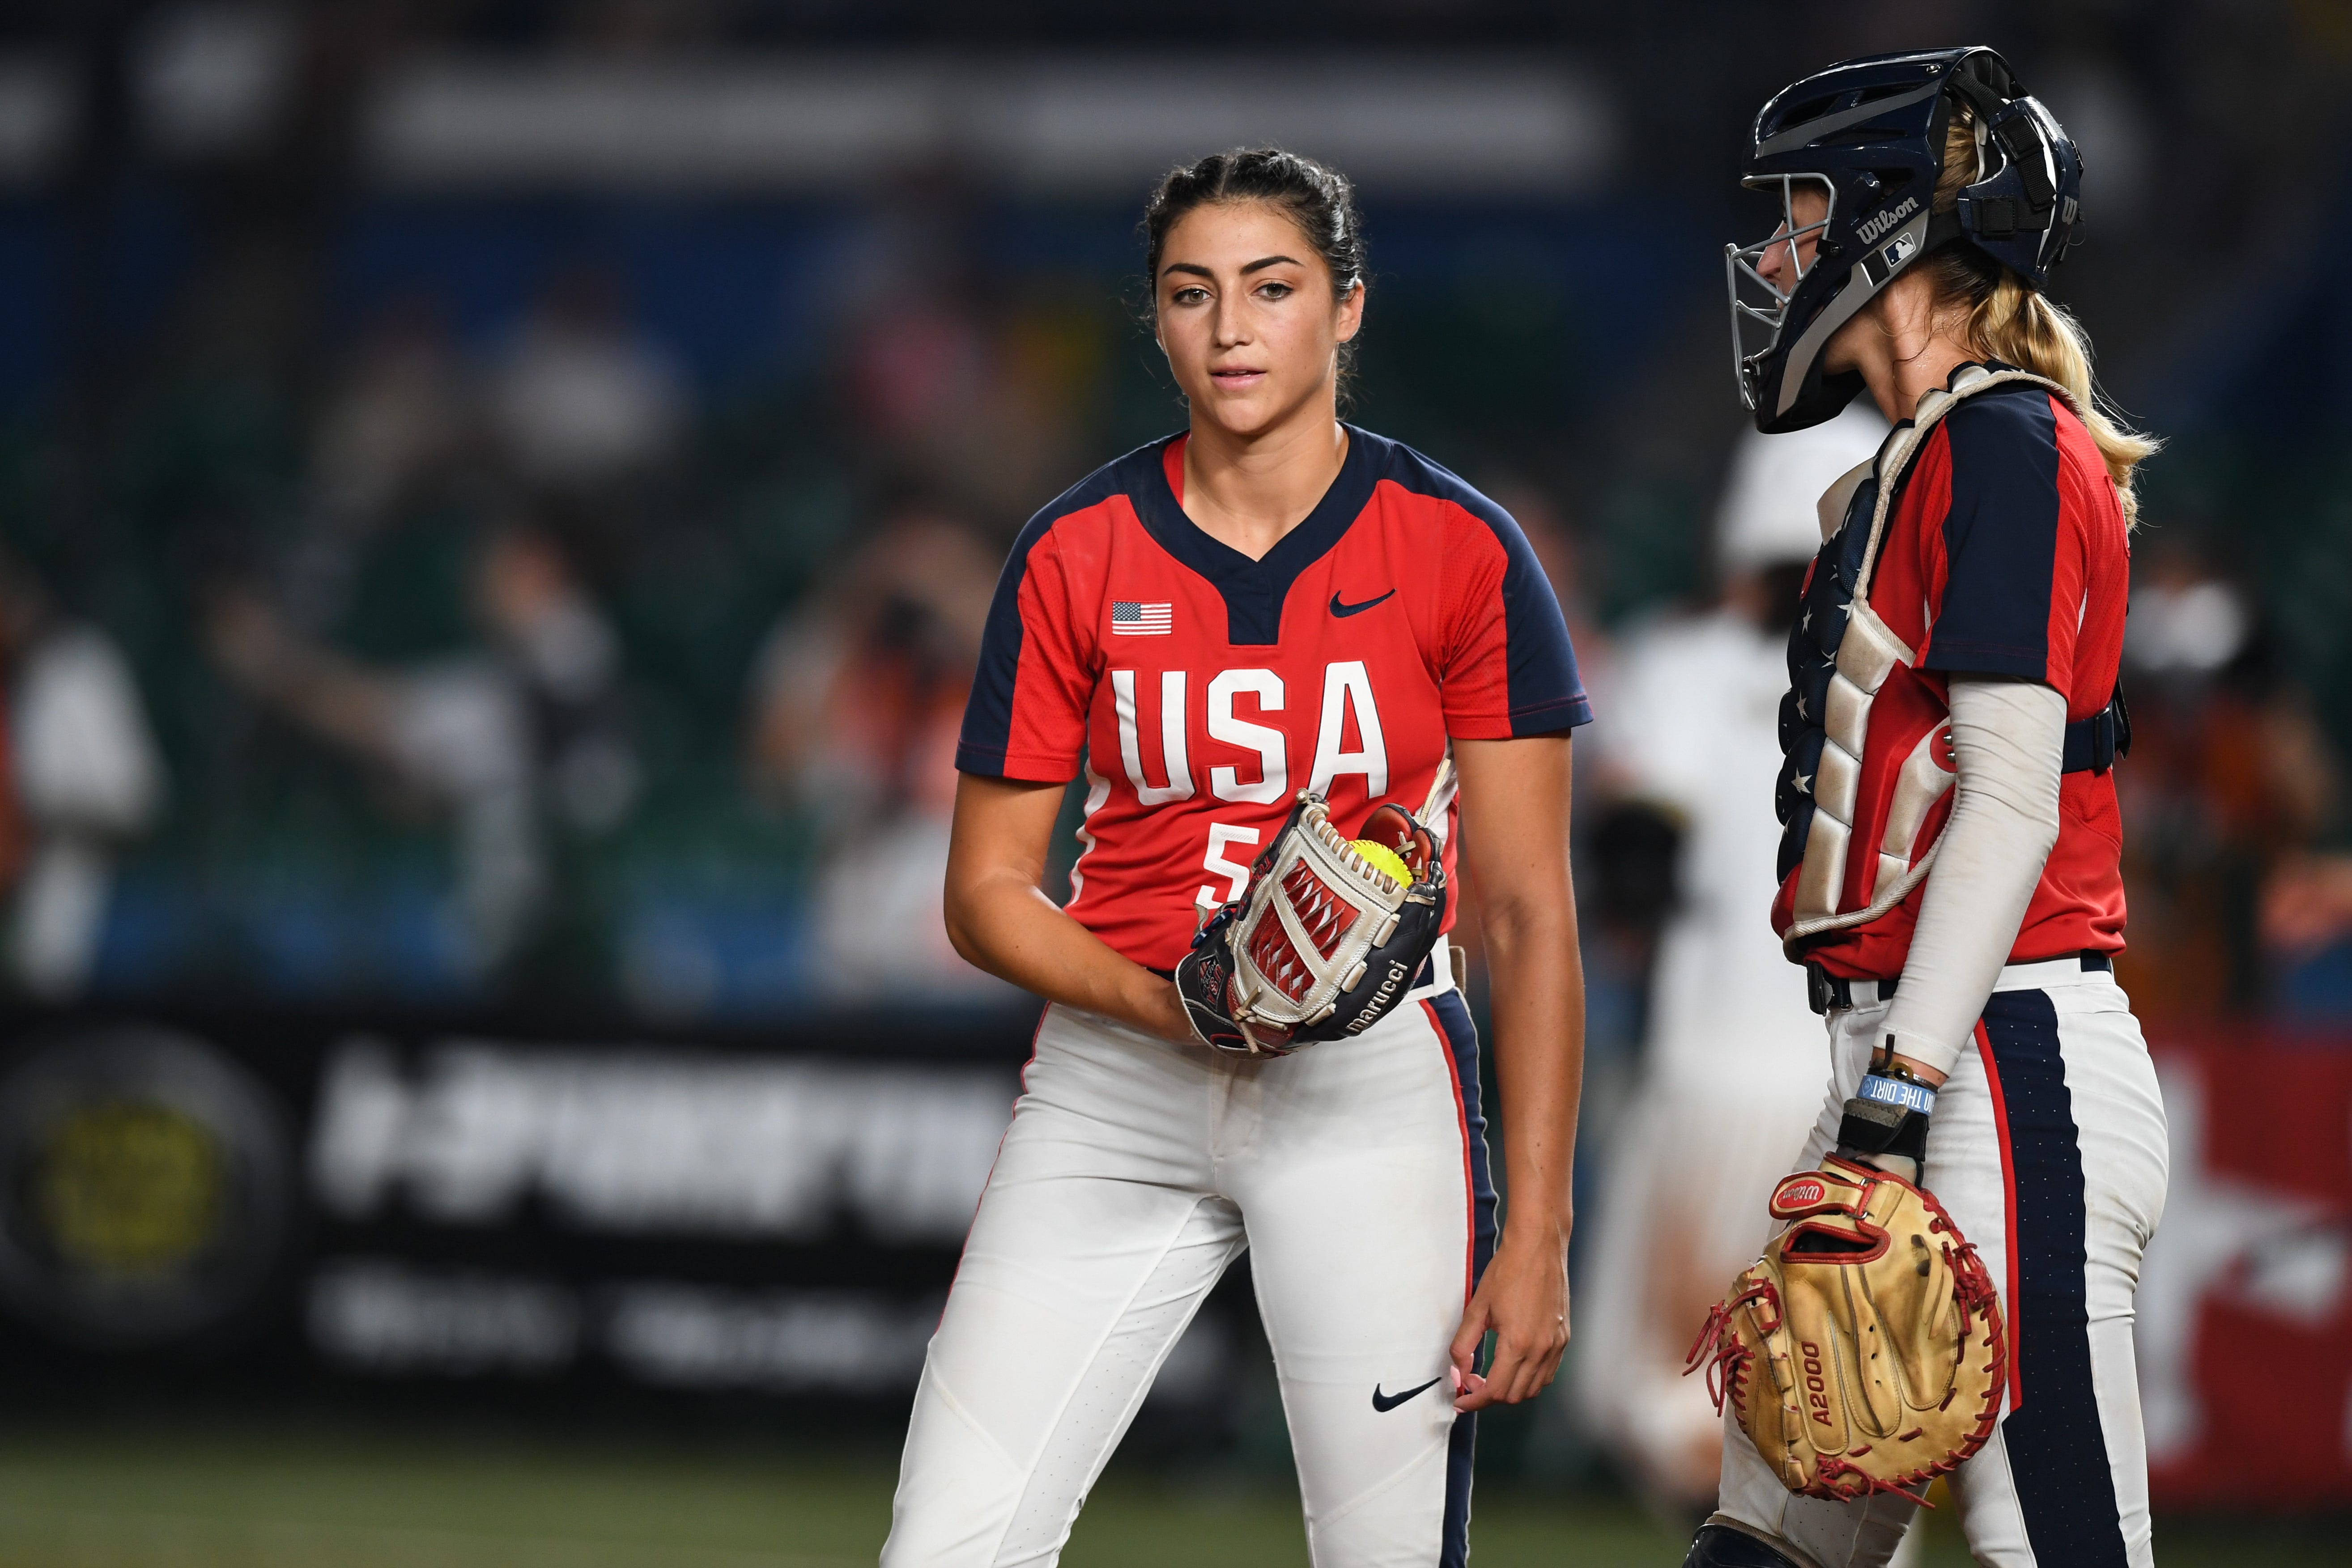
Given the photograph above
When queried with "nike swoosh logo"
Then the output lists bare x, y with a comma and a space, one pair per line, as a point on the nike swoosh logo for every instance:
1340, 609
1384, 1402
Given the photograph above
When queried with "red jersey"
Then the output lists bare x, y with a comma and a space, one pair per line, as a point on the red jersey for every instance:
2004, 553
1200, 690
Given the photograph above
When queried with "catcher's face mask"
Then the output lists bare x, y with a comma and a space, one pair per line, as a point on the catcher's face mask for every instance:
1762, 279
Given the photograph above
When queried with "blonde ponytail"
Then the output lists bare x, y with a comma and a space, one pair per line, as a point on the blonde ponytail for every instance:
2008, 320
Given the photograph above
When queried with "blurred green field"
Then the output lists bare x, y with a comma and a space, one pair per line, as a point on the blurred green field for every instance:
338, 1500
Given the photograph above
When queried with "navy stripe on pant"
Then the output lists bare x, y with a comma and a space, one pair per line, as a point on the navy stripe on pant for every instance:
2057, 1447
1461, 1039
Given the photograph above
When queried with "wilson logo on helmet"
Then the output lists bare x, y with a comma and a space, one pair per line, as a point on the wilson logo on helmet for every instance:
1879, 225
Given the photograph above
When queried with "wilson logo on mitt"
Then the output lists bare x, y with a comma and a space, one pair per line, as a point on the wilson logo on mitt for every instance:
1327, 940
1795, 1195
1863, 1351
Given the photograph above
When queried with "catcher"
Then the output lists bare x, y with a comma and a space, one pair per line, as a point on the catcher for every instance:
1259, 642
1954, 1292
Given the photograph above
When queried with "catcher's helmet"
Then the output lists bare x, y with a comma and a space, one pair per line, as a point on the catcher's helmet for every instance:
1870, 133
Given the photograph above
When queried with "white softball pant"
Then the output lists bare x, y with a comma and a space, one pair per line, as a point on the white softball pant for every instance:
1133, 1172
2048, 1147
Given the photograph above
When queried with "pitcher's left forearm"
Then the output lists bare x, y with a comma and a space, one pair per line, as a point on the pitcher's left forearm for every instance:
1515, 801
1537, 988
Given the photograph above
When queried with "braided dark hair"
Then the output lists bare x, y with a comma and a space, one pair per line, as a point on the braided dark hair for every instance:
1316, 197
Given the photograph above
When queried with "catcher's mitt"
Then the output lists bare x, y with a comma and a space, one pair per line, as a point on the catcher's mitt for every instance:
1323, 944
1863, 1351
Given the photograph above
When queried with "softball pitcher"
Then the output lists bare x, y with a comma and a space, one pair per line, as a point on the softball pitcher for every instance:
1259, 642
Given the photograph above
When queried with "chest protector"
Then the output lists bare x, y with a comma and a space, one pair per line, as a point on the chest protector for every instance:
1855, 695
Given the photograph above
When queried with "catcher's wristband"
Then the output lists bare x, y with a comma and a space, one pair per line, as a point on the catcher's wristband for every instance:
1903, 1093
1888, 1117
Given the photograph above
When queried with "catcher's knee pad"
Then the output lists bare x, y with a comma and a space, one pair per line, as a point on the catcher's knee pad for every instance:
1729, 1546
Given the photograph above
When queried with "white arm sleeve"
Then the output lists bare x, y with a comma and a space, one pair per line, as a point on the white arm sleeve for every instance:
2009, 741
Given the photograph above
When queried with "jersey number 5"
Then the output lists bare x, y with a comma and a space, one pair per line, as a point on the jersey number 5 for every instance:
1220, 835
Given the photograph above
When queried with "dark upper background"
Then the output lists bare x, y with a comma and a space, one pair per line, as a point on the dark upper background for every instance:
497, 497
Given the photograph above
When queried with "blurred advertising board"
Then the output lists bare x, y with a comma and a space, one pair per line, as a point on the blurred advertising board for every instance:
2245, 1299
804, 1206
431, 1202
208, 1205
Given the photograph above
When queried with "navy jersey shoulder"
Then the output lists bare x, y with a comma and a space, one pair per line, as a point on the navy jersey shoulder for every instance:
1546, 691
2014, 421
1424, 476
1124, 475
1999, 534
988, 715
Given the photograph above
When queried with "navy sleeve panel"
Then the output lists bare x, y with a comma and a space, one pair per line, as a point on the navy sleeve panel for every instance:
987, 712
2000, 537
1547, 692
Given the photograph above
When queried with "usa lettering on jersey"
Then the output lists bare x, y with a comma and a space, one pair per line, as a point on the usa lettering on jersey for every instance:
1348, 710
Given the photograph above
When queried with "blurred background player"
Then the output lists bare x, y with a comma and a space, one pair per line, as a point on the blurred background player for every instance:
521, 728
84, 778
856, 703
1732, 1062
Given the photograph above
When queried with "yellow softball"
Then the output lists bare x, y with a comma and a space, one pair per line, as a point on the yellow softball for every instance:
1384, 859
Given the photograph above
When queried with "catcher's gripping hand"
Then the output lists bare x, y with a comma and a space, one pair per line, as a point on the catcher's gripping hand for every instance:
1323, 943
1863, 1351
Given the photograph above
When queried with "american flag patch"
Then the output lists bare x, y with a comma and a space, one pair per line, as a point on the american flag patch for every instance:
1133, 620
